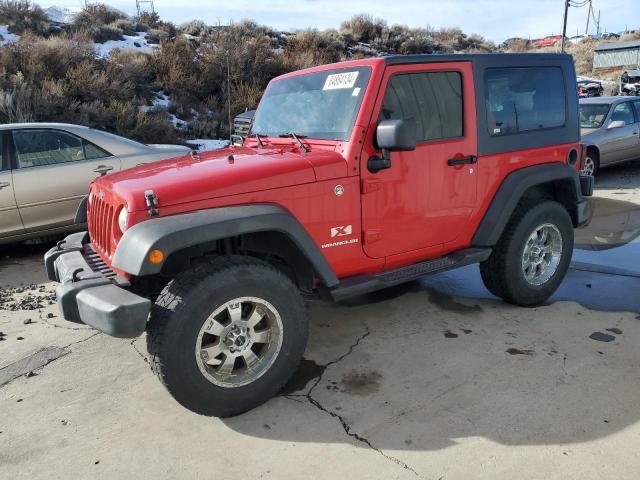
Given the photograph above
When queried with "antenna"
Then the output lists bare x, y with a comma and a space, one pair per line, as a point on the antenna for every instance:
229, 95
140, 6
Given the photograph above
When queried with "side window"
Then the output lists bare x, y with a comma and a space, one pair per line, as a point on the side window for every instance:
36, 148
524, 99
93, 152
623, 112
434, 99
636, 104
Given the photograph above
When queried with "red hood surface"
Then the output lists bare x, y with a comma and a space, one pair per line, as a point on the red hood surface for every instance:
221, 173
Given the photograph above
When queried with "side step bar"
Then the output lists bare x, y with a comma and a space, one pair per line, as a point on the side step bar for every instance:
360, 284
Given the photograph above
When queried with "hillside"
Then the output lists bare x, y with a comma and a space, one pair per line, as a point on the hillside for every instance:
151, 80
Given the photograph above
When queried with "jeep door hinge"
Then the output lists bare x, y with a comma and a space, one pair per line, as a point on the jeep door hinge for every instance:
371, 236
369, 186
152, 202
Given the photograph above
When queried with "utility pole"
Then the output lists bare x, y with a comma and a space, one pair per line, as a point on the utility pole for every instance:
586, 28
564, 25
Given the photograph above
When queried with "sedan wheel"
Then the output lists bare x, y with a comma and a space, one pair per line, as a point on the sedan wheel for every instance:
589, 167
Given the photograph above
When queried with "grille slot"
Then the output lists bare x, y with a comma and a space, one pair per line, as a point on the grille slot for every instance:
100, 220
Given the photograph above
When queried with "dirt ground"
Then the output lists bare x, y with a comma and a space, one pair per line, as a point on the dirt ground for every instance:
436, 379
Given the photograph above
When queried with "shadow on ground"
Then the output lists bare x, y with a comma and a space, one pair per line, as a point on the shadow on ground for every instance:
426, 365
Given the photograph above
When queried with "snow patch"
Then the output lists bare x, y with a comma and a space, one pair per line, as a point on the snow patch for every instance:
137, 42
59, 14
207, 144
7, 37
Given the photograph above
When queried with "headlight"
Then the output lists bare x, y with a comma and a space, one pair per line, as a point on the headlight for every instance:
122, 219
90, 199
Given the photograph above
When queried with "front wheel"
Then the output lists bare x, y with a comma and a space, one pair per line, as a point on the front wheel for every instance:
227, 336
533, 255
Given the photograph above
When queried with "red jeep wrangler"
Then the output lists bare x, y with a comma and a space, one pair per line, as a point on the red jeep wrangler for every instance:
355, 177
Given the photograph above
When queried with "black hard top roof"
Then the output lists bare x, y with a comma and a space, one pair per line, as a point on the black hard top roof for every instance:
515, 59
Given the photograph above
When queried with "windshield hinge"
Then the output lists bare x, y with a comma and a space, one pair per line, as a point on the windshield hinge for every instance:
152, 202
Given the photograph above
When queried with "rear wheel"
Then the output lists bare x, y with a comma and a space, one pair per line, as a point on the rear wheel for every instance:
532, 256
225, 337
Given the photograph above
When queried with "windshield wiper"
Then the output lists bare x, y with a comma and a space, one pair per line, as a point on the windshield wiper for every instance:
258, 136
297, 138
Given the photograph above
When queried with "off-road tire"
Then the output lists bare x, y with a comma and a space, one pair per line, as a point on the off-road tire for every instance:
502, 272
180, 312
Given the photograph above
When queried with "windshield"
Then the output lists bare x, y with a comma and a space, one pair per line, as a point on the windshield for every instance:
321, 105
593, 114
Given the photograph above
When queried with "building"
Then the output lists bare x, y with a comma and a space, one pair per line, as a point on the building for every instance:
617, 55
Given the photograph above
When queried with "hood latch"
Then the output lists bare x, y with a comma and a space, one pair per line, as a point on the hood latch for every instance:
152, 203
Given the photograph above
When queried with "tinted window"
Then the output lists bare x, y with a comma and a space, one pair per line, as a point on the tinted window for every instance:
524, 99
636, 104
36, 148
434, 99
623, 112
92, 152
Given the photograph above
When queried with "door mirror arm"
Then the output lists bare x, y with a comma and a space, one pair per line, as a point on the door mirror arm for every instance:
375, 164
392, 136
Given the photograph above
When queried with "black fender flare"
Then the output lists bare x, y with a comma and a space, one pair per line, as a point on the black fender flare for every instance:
176, 232
512, 190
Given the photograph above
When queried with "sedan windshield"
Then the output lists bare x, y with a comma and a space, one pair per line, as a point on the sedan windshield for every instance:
321, 105
593, 114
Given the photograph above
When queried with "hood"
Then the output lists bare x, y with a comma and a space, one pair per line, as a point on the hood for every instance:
586, 132
221, 173
167, 146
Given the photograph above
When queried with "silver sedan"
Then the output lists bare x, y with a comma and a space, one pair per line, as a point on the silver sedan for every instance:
46, 169
610, 128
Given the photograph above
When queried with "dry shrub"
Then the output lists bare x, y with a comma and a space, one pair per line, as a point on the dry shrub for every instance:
137, 68
38, 58
22, 15
15, 102
362, 28
582, 55
86, 83
148, 20
520, 45
94, 14
308, 48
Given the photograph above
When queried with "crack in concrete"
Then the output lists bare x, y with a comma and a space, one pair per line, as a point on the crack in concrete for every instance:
345, 425
83, 340
143, 356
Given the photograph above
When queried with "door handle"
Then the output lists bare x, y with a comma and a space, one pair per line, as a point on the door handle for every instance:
452, 162
102, 169
4, 184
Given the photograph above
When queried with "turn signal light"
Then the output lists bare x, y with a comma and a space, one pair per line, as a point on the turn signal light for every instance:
156, 256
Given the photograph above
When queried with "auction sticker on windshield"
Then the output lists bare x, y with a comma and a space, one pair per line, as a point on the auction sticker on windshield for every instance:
340, 80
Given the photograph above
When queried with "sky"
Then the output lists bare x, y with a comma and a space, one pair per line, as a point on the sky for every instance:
496, 20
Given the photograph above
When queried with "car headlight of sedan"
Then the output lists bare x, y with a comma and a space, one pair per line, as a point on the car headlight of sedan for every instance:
122, 219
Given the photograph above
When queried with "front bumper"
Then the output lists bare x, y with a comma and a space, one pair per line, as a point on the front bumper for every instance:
90, 293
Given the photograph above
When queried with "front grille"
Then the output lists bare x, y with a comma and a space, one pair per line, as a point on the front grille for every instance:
100, 220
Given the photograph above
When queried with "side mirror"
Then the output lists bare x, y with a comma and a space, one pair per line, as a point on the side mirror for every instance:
392, 136
616, 124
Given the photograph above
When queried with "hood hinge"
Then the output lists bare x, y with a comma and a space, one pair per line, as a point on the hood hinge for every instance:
152, 202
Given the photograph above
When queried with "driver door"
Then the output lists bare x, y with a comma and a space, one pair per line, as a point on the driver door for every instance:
52, 173
423, 199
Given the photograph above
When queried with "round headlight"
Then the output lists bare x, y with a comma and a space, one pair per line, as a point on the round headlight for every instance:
122, 220
90, 199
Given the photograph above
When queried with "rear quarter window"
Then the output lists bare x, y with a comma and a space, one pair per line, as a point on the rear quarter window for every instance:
524, 99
